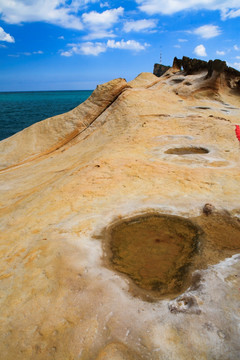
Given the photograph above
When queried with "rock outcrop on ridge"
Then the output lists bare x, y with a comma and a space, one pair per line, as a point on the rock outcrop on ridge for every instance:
160, 69
121, 224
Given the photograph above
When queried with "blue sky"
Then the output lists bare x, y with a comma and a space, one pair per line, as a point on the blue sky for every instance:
77, 44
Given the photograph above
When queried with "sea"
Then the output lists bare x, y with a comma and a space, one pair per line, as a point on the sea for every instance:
19, 110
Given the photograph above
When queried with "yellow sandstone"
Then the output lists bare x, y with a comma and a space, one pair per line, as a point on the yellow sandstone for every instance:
164, 146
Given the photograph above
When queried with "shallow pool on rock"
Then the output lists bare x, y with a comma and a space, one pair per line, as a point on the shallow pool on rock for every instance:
154, 250
187, 150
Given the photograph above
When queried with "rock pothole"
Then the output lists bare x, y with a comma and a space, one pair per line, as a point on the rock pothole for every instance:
158, 253
154, 250
202, 107
177, 81
187, 150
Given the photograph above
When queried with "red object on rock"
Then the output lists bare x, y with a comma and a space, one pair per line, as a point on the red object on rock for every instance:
237, 131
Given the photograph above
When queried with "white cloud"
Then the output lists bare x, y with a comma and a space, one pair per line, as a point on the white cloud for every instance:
139, 25
237, 57
182, 40
85, 48
2, 46
61, 37
177, 46
218, 52
27, 53
5, 36
67, 53
105, 4
96, 48
231, 14
236, 48
228, 8
126, 45
104, 20
99, 24
39, 52
101, 34
90, 48
57, 12
200, 50
207, 31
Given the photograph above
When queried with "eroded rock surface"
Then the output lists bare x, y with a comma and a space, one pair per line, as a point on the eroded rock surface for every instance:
164, 146
154, 250
51, 134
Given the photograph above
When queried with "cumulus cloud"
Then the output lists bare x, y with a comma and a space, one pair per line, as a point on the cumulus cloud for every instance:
139, 25
63, 13
57, 12
207, 31
100, 23
218, 52
5, 36
126, 45
96, 48
104, 20
90, 48
85, 48
228, 8
236, 48
200, 50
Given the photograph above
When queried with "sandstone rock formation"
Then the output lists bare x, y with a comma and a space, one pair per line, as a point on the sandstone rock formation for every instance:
160, 69
155, 161
51, 134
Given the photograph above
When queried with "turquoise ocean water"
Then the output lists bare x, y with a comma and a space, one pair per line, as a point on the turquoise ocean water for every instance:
19, 110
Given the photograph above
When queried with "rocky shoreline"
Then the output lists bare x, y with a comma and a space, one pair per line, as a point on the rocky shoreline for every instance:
121, 223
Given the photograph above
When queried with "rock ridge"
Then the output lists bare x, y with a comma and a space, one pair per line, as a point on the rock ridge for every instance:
48, 135
192, 66
158, 154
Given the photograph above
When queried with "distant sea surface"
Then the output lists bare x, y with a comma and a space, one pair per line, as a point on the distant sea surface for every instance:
19, 110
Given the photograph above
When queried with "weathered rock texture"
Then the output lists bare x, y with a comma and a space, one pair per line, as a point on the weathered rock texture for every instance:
160, 69
51, 134
162, 146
